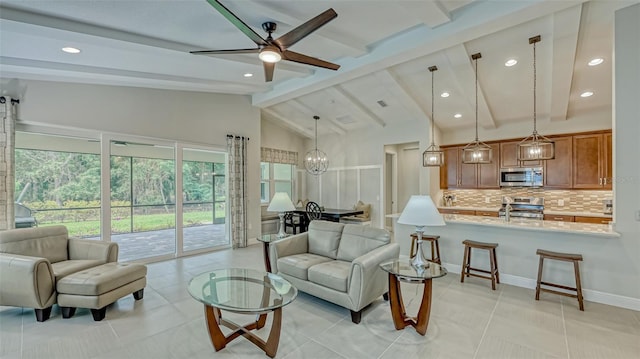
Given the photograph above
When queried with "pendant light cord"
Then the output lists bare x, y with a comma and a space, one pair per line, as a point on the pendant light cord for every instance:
316, 118
432, 102
535, 132
476, 60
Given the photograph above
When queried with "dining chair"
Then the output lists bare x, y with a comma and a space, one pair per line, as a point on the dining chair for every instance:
313, 211
294, 221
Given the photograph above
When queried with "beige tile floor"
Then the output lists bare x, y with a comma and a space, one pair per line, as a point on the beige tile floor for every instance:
468, 320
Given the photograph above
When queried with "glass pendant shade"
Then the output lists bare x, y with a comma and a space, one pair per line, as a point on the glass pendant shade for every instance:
535, 147
476, 151
432, 156
316, 161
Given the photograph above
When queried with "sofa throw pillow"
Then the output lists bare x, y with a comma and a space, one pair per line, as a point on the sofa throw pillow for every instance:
357, 240
365, 208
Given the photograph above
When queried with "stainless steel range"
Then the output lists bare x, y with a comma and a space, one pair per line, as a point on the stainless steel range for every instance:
522, 207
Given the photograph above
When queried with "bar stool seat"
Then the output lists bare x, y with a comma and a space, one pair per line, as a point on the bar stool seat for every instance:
567, 257
435, 247
466, 262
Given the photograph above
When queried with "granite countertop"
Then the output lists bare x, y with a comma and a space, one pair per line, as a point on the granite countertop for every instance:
604, 230
559, 213
494, 209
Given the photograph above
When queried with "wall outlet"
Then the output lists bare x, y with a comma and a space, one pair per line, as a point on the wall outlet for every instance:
561, 202
487, 200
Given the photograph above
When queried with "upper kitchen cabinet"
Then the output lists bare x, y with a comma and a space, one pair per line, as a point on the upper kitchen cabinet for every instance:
592, 161
456, 174
558, 171
509, 156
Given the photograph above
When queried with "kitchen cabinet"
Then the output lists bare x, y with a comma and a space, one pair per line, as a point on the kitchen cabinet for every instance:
592, 161
509, 156
587, 219
456, 174
469, 212
558, 217
558, 171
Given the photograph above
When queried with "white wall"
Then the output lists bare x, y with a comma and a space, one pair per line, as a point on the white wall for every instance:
275, 136
188, 117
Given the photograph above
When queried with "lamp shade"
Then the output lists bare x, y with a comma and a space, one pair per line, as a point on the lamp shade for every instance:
421, 211
281, 203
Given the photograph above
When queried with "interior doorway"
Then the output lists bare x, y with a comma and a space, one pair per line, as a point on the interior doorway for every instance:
401, 176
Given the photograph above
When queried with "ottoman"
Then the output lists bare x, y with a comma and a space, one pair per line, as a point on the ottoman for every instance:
95, 288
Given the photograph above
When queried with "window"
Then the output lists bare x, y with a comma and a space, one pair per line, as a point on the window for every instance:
275, 177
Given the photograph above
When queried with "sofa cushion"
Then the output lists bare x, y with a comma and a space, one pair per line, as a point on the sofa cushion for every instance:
357, 240
45, 242
324, 238
365, 208
297, 265
101, 279
64, 268
333, 274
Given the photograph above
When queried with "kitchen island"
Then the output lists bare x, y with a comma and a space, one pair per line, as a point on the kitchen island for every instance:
518, 241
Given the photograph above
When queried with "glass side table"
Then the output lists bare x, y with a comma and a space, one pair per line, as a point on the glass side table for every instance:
244, 291
266, 240
401, 271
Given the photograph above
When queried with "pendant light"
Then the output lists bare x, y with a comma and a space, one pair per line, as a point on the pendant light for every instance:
476, 151
316, 161
536, 146
433, 156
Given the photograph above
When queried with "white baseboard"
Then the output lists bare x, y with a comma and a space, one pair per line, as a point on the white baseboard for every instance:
589, 295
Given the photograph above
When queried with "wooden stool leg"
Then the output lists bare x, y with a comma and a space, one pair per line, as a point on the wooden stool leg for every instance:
539, 278
578, 285
493, 270
433, 252
465, 262
438, 252
495, 261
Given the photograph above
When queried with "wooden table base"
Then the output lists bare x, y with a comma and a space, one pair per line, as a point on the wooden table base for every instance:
400, 317
219, 340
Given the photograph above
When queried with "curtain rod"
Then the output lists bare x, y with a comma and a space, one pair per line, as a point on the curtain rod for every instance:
237, 137
13, 100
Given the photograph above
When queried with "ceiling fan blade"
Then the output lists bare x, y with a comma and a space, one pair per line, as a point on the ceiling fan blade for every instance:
238, 23
304, 59
268, 70
223, 52
305, 29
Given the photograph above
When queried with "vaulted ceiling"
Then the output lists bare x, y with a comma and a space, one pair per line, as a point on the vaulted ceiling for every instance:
384, 48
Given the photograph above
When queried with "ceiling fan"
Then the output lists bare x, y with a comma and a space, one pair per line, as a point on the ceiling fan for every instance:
269, 50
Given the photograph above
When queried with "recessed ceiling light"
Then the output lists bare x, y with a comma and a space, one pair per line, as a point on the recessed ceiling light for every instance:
444, 94
248, 74
586, 94
595, 62
510, 62
457, 115
71, 50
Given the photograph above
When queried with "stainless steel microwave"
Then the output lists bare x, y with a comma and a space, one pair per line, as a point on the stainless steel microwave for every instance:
521, 177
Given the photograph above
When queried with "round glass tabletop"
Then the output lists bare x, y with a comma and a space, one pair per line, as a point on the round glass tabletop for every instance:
242, 290
405, 271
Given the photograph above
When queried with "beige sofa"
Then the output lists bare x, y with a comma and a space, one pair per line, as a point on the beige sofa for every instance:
33, 260
336, 262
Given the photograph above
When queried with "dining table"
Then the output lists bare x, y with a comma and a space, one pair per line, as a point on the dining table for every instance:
328, 214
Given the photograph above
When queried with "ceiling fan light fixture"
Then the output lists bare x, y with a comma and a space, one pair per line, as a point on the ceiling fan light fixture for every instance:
433, 156
476, 151
270, 54
536, 146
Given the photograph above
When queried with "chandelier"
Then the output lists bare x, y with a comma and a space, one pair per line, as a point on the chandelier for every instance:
476, 151
433, 156
316, 161
536, 146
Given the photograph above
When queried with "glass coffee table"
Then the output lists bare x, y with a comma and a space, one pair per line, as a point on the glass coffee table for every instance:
244, 291
401, 271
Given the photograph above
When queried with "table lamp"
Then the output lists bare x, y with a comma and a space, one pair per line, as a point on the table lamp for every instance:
281, 203
420, 211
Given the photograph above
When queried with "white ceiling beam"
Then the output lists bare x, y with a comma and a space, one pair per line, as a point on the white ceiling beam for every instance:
566, 26
462, 69
356, 47
288, 123
392, 84
431, 13
361, 110
480, 19
309, 113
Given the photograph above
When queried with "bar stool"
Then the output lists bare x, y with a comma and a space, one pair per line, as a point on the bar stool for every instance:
567, 257
435, 248
466, 262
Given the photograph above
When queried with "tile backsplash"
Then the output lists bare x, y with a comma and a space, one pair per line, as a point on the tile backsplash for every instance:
574, 200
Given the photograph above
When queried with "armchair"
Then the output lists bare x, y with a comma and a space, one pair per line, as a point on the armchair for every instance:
32, 260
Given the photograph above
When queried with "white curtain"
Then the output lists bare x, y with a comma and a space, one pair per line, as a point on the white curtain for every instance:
7, 159
237, 150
